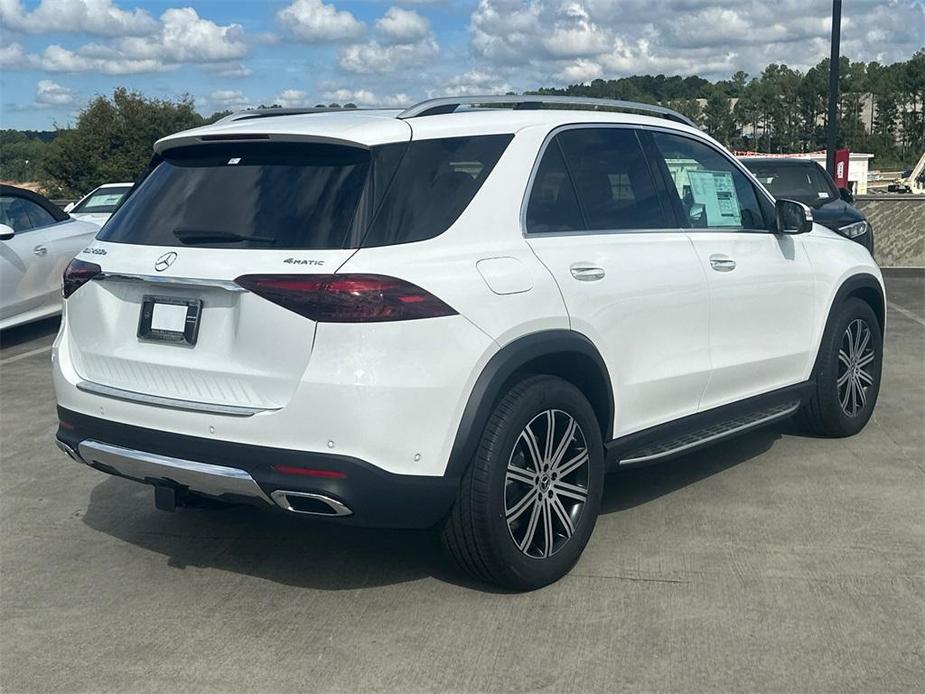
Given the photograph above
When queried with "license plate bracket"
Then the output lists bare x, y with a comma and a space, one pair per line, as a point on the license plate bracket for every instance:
163, 319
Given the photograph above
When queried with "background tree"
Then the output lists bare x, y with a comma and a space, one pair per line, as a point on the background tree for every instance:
718, 118
112, 140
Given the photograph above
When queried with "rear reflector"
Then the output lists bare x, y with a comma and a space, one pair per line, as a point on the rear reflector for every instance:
309, 472
77, 274
347, 298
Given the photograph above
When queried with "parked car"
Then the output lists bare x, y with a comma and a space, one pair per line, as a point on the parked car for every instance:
806, 181
37, 240
98, 205
453, 317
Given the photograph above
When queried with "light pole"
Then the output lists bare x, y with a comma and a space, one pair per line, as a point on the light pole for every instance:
832, 122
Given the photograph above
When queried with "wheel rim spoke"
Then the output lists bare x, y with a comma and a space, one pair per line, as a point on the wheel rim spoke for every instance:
525, 502
866, 377
531, 528
843, 357
532, 448
844, 401
571, 491
562, 514
866, 359
862, 396
843, 378
563, 443
550, 435
568, 467
547, 529
519, 474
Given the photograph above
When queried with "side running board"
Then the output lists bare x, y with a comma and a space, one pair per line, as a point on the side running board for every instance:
684, 443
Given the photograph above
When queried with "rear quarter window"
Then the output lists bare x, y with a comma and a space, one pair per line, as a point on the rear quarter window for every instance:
435, 181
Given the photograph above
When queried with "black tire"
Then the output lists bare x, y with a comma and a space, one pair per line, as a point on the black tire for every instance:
477, 533
826, 413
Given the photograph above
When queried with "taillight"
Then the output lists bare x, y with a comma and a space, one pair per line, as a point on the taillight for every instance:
347, 298
77, 274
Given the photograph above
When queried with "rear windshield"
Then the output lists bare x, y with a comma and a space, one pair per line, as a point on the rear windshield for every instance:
304, 196
102, 200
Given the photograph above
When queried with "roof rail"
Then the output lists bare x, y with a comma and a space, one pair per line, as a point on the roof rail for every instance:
433, 107
272, 112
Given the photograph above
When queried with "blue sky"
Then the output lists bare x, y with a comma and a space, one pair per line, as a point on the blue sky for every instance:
56, 54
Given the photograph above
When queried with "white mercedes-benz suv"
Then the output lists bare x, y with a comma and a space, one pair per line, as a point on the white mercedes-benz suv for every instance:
460, 315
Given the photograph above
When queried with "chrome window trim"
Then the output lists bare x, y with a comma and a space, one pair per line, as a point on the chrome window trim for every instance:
759, 189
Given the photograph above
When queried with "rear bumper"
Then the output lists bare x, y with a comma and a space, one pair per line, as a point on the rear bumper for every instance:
350, 491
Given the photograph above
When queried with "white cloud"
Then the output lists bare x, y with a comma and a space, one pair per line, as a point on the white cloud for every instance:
182, 37
100, 17
472, 83
565, 41
402, 26
229, 99
364, 97
403, 39
185, 37
48, 94
313, 21
376, 58
293, 98
14, 57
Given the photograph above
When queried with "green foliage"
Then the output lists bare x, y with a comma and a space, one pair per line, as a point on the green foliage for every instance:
784, 110
112, 140
22, 152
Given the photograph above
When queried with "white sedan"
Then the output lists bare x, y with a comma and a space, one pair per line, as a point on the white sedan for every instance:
98, 205
37, 241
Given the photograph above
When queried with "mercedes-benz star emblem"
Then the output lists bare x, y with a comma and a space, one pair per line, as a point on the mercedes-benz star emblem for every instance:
165, 261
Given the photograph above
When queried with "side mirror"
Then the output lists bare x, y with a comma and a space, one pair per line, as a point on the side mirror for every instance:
846, 195
69, 206
6, 232
793, 217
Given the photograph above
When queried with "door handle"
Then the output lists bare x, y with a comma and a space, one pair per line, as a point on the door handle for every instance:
40, 250
587, 273
722, 263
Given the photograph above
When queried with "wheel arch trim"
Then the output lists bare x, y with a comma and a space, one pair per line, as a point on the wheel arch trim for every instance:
511, 360
862, 286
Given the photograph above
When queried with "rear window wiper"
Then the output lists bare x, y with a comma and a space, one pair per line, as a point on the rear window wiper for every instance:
194, 236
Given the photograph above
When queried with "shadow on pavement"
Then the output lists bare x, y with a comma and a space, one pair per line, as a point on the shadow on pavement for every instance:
316, 554
11, 337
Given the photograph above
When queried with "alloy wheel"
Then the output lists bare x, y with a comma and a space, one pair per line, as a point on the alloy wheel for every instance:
856, 354
546, 484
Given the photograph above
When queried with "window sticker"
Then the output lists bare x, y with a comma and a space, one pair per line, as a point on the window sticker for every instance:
715, 190
105, 200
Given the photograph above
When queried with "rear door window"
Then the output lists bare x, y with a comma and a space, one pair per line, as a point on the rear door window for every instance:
616, 189
553, 205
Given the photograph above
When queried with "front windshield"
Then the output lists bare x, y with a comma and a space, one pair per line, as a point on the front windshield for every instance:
102, 200
804, 182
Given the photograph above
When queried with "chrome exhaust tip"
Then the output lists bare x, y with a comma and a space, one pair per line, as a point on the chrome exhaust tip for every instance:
309, 504
69, 452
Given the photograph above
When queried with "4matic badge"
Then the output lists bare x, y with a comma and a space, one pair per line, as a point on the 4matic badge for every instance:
303, 261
